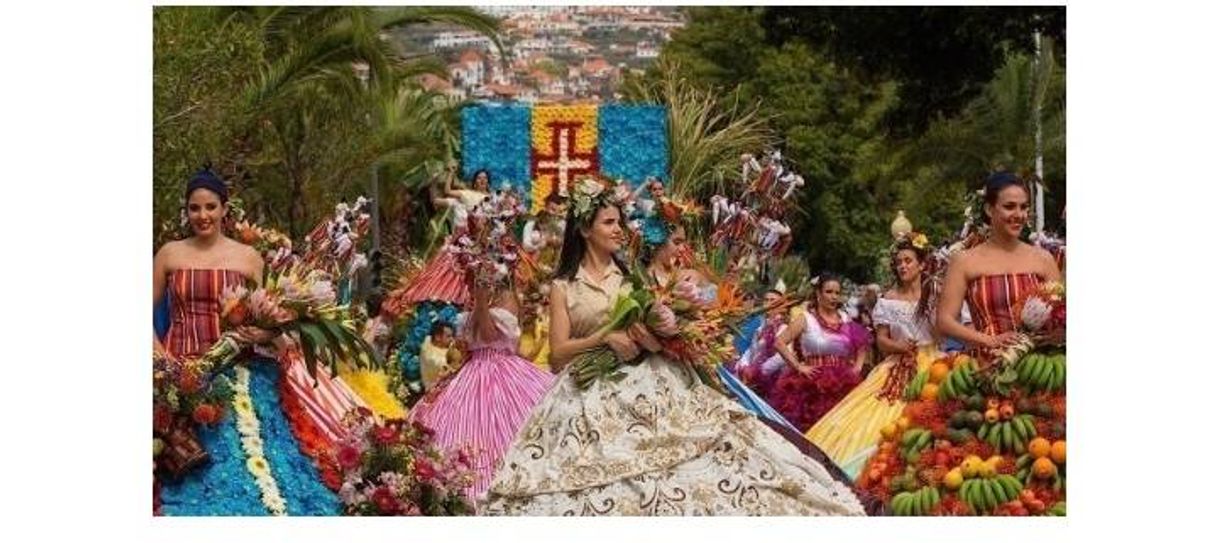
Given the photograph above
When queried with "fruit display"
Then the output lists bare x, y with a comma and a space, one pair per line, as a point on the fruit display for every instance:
976, 441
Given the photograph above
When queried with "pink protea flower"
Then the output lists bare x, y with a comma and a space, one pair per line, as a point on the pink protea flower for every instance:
662, 320
687, 290
1036, 312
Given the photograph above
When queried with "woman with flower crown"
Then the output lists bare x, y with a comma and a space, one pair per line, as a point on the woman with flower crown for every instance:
256, 465
849, 432
654, 442
667, 254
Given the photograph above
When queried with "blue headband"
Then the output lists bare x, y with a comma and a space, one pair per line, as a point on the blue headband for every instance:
1001, 179
206, 179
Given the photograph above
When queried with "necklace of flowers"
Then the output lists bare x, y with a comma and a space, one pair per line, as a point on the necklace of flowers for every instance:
256, 462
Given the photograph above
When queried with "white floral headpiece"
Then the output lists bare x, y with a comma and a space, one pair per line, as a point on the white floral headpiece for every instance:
591, 194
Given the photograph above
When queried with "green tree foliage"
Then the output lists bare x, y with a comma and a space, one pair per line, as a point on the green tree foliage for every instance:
943, 55
196, 67
298, 104
836, 108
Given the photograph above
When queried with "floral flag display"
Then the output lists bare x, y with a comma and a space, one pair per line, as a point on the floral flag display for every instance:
542, 150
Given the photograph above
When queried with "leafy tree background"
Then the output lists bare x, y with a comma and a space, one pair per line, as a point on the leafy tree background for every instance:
880, 108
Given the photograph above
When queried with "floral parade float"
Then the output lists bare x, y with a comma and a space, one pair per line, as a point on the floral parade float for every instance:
983, 437
305, 302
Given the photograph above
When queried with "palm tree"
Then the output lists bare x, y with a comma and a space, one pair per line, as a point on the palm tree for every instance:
998, 128
330, 69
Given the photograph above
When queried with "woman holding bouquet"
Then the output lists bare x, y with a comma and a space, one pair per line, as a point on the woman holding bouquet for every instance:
666, 251
653, 440
255, 463
829, 351
483, 406
994, 275
903, 317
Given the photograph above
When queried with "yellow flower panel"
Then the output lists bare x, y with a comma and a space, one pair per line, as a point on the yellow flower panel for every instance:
543, 144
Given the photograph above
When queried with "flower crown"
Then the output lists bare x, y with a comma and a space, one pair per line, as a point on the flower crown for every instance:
917, 239
589, 195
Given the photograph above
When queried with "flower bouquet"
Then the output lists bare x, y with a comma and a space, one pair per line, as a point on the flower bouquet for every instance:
690, 329
302, 304
487, 247
274, 246
187, 392
392, 468
1041, 322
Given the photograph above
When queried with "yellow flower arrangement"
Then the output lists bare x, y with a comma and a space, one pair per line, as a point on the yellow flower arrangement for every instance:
543, 139
372, 387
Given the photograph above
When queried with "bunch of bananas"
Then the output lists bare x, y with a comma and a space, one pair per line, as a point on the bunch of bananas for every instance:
959, 383
913, 441
914, 389
983, 495
916, 503
1008, 435
1038, 371
1058, 509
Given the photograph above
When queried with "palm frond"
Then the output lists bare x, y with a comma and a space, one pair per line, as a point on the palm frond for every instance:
465, 17
706, 134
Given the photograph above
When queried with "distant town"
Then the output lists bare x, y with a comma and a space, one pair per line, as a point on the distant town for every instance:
562, 54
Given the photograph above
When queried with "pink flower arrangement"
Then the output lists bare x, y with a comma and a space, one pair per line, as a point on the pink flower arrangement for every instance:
394, 468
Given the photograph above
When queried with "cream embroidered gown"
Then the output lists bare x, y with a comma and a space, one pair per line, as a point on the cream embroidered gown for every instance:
655, 443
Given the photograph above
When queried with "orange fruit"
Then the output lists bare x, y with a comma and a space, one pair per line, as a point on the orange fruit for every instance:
930, 391
1039, 447
903, 423
938, 372
1058, 453
1043, 468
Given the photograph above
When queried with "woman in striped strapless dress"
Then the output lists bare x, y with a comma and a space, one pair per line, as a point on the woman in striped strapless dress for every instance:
193, 273
484, 404
995, 274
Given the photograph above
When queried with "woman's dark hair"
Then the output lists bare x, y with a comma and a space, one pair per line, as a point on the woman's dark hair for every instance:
824, 279
998, 182
926, 278
439, 326
207, 179
574, 246
474, 178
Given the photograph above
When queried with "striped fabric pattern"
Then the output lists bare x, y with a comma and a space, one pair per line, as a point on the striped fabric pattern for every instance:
324, 401
194, 306
991, 300
750, 400
441, 280
482, 407
194, 296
